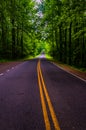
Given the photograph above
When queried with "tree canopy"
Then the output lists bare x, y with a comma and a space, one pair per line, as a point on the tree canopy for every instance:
58, 26
65, 28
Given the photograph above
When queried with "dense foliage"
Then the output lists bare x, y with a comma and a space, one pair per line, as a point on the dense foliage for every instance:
17, 33
56, 26
65, 27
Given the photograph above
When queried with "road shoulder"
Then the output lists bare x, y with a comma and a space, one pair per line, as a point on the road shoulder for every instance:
8, 65
71, 70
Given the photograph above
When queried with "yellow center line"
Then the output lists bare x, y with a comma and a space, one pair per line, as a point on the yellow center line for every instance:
52, 112
53, 115
46, 119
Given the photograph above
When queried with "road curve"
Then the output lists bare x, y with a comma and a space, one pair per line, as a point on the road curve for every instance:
26, 105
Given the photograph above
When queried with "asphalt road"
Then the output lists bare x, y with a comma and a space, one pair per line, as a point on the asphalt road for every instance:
37, 95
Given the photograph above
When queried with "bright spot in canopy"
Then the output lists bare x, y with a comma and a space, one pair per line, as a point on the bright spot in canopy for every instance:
38, 1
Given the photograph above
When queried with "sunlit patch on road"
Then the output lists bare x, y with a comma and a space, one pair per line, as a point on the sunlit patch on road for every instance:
8, 70
42, 56
1, 74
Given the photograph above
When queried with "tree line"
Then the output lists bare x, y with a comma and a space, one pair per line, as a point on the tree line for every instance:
58, 26
64, 23
17, 32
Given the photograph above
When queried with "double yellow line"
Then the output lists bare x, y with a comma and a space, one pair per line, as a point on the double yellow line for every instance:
44, 93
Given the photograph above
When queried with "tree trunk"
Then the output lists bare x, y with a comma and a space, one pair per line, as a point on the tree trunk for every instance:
70, 43
3, 38
22, 41
17, 36
56, 40
83, 60
65, 47
13, 27
60, 42
13, 38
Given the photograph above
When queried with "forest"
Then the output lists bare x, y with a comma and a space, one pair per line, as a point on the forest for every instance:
56, 26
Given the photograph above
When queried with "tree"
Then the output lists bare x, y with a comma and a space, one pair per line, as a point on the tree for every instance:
66, 24
16, 26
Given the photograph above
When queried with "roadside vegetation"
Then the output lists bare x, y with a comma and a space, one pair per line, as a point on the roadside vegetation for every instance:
65, 27
28, 27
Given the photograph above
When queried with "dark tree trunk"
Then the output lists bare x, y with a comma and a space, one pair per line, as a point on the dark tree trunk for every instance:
60, 42
22, 41
70, 44
17, 36
3, 37
56, 40
13, 39
83, 60
65, 47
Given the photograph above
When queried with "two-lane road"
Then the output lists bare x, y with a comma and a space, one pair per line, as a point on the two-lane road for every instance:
37, 95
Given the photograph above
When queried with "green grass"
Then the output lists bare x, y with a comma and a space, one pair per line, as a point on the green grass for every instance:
48, 57
79, 68
5, 60
27, 58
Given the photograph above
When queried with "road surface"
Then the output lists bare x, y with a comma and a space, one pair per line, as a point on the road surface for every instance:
37, 95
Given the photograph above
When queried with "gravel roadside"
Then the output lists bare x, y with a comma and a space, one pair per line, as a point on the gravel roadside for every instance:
74, 71
7, 65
